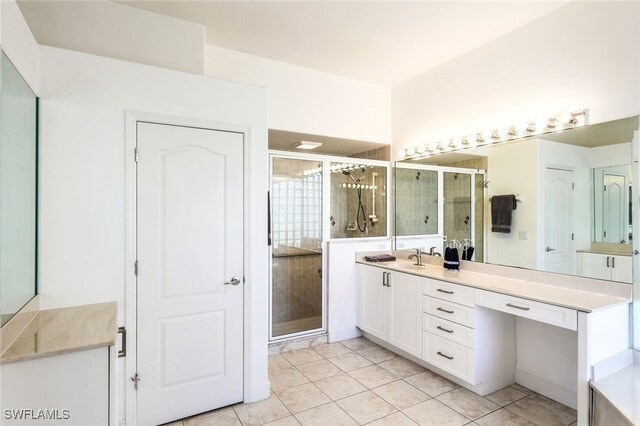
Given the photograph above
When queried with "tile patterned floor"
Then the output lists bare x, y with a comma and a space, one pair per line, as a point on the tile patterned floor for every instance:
356, 382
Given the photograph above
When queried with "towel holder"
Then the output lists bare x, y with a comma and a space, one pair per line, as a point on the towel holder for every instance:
519, 198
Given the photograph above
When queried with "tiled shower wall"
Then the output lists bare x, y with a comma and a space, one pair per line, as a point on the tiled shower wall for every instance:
416, 202
382, 154
344, 203
297, 287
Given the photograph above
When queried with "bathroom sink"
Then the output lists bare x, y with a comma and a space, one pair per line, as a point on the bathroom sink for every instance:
407, 266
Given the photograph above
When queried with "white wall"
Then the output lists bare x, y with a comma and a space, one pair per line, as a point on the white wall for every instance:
513, 169
306, 100
18, 43
583, 55
82, 177
610, 155
114, 30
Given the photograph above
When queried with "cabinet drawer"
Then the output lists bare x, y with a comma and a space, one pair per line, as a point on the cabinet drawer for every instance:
448, 330
451, 292
450, 311
451, 357
543, 312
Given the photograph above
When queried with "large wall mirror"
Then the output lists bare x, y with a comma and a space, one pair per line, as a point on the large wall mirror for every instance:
573, 210
18, 190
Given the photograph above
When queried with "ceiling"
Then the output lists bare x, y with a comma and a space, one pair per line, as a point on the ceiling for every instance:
283, 141
385, 42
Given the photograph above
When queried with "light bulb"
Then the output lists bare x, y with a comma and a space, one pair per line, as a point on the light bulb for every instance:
487, 135
564, 118
541, 125
411, 151
472, 139
456, 142
401, 153
421, 149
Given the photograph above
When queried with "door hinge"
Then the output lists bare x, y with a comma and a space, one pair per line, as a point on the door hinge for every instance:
135, 154
573, 185
135, 379
123, 352
605, 187
573, 236
135, 268
604, 234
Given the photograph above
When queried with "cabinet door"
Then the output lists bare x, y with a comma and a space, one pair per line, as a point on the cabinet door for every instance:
621, 269
373, 313
595, 266
405, 312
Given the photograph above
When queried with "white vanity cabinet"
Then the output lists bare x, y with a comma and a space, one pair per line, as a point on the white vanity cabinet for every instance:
605, 266
390, 307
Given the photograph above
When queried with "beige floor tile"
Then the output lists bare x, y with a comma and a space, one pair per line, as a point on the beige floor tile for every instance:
366, 407
522, 388
221, 417
278, 362
467, 403
301, 356
303, 397
317, 370
400, 394
261, 412
431, 383
373, 376
503, 417
434, 413
395, 419
506, 396
349, 362
287, 377
329, 414
340, 386
543, 411
331, 349
401, 367
287, 421
358, 343
377, 354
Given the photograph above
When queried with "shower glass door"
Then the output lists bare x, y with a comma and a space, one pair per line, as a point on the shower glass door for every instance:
458, 222
296, 247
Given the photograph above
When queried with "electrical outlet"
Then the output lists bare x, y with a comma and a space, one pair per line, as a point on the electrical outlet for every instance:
382, 246
523, 235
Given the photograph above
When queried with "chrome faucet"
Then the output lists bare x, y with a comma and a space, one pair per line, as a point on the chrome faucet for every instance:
433, 252
417, 257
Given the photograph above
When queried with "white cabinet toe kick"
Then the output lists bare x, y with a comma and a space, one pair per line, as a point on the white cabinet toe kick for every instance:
485, 340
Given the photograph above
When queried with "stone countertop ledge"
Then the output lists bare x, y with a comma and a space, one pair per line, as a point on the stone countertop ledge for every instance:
582, 294
64, 330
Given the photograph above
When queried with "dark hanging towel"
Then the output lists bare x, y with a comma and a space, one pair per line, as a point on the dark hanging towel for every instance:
502, 207
451, 258
467, 252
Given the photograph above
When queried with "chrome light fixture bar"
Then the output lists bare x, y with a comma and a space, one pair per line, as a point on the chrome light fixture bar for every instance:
556, 123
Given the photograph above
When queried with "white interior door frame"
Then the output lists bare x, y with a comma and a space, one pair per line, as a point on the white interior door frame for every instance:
131, 120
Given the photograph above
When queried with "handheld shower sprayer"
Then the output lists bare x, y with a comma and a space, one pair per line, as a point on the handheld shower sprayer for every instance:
361, 227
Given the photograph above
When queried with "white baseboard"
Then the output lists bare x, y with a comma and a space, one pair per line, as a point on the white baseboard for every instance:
547, 388
344, 334
258, 393
612, 364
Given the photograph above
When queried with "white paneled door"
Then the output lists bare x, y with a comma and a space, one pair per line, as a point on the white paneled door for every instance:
190, 271
558, 221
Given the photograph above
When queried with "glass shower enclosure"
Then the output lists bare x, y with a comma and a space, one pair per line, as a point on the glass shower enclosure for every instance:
296, 240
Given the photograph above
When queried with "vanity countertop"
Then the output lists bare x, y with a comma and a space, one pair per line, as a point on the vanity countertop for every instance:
603, 251
572, 298
59, 331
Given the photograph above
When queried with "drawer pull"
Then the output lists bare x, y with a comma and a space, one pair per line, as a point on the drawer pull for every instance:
517, 307
444, 291
448, 312
445, 356
444, 329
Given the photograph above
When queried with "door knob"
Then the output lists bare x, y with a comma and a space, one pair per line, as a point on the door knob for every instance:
548, 249
234, 281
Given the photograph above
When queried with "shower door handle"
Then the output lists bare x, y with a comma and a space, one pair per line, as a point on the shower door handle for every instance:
234, 281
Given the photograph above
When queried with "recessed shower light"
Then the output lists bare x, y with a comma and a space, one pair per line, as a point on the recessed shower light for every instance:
307, 145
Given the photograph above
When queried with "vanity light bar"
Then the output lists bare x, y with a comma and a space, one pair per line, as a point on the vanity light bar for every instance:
356, 186
563, 121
